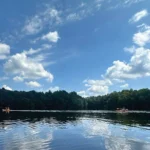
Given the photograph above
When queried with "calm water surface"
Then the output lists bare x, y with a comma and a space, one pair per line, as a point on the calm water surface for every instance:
85, 130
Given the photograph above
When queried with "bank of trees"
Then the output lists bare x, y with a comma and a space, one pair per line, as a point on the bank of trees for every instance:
62, 100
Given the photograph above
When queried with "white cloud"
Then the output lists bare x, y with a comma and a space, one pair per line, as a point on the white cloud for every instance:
138, 16
143, 36
46, 46
40, 58
54, 14
2, 57
95, 87
33, 84
26, 67
118, 81
83, 93
124, 86
33, 25
51, 36
53, 89
18, 79
98, 90
97, 82
4, 50
51, 17
98, 87
140, 62
143, 26
137, 67
122, 3
131, 1
130, 49
73, 16
84, 10
119, 70
36, 23
7, 87
32, 51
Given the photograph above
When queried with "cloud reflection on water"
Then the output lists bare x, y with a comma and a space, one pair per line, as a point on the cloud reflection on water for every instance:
116, 136
26, 137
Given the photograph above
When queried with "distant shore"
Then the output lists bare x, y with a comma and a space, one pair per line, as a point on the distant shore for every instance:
63, 100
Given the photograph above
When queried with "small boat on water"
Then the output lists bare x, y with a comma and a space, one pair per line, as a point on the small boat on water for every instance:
7, 110
122, 110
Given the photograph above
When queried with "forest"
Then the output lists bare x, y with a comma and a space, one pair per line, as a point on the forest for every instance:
62, 100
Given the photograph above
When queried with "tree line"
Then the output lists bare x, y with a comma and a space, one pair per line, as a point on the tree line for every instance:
62, 100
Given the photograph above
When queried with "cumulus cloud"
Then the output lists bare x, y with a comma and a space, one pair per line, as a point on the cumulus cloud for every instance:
142, 37
26, 68
7, 87
28, 65
83, 93
51, 36
119, 70
4, 50
138, 16
53, 89
137, 67
18, 79
33, 84
95, 87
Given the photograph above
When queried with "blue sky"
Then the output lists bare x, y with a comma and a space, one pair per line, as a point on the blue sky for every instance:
92, 47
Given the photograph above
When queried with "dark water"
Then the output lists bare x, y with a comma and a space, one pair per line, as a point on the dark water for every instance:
74, 131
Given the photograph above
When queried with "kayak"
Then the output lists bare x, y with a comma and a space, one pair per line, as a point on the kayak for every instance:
5, 110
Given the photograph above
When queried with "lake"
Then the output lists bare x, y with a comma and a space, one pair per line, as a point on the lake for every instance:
74, 130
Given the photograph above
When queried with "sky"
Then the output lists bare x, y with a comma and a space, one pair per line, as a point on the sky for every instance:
93, 47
